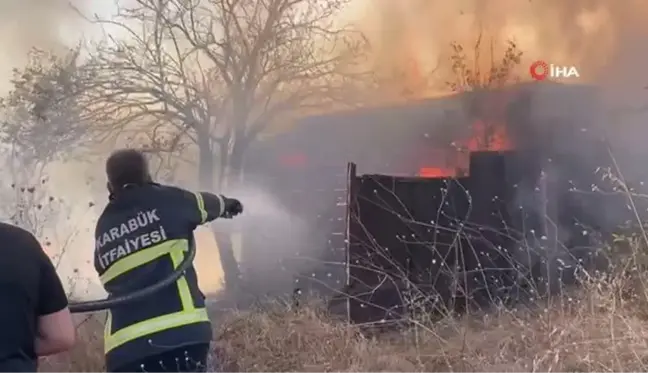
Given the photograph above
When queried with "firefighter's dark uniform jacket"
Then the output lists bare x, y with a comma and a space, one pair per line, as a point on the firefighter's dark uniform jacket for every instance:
141, 236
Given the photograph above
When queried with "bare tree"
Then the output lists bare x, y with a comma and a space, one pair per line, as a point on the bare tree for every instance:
40, 123
211, 75
40, 117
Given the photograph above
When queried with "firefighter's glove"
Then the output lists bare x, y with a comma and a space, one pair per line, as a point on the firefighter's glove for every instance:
233, 207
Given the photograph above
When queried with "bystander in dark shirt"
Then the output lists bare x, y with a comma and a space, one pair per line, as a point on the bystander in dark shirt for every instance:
29, 288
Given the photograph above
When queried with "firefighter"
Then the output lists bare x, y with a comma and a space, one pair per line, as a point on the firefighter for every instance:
141, 236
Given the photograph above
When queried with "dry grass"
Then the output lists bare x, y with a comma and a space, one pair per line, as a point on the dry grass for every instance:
601, 327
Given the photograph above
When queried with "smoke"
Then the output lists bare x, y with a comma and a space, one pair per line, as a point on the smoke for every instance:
602, 38
55, 25
415, 35
46, 24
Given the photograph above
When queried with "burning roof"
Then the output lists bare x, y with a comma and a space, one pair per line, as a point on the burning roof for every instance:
438, 133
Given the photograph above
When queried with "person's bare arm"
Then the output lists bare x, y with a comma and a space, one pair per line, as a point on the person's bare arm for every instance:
56, 331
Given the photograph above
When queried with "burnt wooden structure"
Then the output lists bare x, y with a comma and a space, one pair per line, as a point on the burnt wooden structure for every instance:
383, 235
447, 245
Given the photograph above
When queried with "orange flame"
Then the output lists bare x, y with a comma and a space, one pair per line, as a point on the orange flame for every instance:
435, 172
485, 135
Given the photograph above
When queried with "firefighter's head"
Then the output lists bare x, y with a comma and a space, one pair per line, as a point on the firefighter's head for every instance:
127, 167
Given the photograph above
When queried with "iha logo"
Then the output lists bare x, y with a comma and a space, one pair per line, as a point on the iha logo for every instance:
541, 70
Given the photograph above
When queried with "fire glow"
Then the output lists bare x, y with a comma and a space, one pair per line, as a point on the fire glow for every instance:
485, 135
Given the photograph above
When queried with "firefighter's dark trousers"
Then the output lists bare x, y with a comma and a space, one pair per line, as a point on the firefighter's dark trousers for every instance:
191, 358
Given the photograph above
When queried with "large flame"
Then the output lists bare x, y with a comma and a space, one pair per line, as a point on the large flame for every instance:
412, 38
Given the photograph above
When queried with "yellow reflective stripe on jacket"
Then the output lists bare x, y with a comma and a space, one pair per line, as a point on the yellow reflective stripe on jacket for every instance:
201, 207
150, 326
142, 257
189, 314
183, 285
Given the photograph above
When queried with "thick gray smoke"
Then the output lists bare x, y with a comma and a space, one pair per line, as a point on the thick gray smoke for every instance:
611, 108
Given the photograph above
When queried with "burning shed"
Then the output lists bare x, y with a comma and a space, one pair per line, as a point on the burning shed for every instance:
306, 167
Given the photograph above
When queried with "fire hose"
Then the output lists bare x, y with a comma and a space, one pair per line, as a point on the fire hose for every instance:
102, 304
